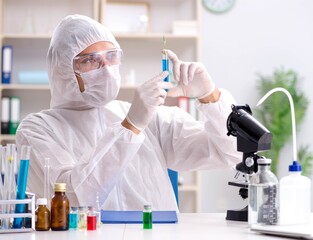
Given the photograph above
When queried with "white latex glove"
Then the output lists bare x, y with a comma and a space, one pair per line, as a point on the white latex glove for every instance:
147, 98
192, 78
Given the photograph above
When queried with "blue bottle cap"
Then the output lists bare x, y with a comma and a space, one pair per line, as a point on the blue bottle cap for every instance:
295, 167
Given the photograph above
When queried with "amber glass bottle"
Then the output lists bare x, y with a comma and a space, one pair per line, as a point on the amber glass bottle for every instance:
59, 208
42, 215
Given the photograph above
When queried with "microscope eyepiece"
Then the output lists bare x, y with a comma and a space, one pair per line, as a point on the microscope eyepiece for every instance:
251, 135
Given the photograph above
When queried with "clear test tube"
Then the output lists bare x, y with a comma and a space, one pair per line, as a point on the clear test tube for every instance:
98, 210
9, 181
2, 168
165, 64
1, 177
46, 187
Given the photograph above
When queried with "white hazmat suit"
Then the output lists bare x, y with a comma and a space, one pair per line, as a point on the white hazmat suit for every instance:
92, 152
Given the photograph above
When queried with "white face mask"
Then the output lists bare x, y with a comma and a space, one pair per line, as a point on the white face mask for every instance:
101, 85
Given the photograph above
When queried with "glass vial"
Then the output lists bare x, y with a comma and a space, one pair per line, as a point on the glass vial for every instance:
59, 208
263, 195
147, 217
82, 218
73, 218
91, 219
98, 211
42, 214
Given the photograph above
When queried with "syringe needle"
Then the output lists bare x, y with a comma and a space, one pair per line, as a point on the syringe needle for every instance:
164, 42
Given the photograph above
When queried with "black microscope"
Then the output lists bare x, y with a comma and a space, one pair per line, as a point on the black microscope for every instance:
252, 137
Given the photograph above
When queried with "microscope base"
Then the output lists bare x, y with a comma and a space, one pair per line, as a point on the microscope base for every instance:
238, 215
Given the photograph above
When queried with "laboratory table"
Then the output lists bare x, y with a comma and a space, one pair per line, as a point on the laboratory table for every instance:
192, 226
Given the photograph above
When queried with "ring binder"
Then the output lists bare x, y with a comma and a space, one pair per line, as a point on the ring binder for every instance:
6, 63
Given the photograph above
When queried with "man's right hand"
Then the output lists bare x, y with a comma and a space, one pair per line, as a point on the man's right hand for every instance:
147, 98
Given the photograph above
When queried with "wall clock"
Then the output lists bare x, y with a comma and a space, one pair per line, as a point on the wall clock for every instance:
218, 6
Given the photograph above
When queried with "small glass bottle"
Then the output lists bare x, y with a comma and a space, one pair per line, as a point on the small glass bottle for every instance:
91, 219
42, 213
82, 217
59, 208
263, 195
147, 217
73, 218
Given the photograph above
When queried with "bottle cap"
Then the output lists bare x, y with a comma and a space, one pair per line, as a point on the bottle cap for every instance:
60, 187
74, 208
295, 167
264, 161
41, 201
147, 206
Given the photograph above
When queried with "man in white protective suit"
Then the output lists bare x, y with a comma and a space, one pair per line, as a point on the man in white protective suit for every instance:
121, 151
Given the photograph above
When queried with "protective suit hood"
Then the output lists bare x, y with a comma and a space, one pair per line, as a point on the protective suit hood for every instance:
73, 34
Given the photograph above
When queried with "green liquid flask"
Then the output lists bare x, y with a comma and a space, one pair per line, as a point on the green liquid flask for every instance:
147, 217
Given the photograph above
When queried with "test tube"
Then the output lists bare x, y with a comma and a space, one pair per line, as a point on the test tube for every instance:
8, 180
98, 210
46, 188
22, 183
165, 62
2, 149
1, 178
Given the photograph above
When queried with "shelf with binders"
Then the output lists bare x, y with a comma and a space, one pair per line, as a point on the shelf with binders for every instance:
10, 115
23, 95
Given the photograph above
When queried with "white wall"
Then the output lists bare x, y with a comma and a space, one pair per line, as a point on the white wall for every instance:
256, 36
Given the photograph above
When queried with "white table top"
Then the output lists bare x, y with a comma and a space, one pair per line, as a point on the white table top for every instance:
192, 226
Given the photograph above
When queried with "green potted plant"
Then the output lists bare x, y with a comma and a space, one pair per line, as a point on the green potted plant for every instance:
275, 114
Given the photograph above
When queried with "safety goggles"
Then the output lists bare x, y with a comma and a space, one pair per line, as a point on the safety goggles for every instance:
91, 61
